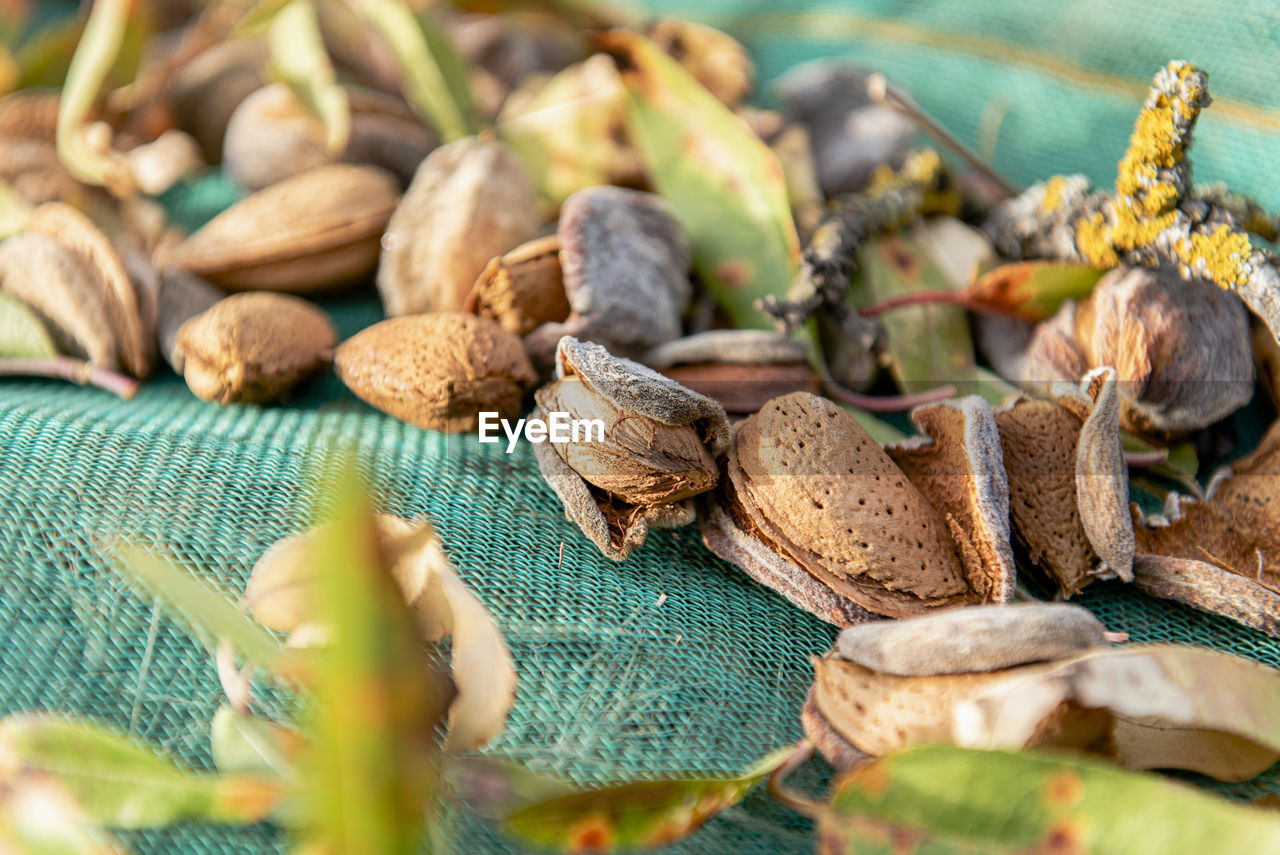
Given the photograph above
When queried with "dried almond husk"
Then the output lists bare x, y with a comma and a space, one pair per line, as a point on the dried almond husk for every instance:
437, 371
1041, 675
207, 90
522, 289
658, 448
281, 596
254, 347
810, 505
183, 295
1222, 554
742, 369
307, 233
123, 313
272, 136
469, 201
1069, 484
1180, 349
57, 284
30, 114
625, 261
714, 58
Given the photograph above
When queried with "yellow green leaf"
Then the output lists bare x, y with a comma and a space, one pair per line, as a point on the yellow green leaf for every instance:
726, 187
22, 333
1032, 290
299, 58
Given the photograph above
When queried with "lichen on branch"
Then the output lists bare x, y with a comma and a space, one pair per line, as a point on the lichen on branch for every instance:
1154, 217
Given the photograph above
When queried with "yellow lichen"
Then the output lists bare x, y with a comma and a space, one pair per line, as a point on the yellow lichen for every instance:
1053, 194
1221, 256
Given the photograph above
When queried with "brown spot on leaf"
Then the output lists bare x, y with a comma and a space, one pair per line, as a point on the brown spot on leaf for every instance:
592, 833
901, 258
735, 273
1065, 837
1063, 790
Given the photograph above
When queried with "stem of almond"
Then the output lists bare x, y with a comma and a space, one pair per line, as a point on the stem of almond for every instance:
886, 403
802, 805
75, 370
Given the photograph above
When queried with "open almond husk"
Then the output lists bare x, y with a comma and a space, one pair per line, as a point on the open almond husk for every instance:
742, 369
811, 506
1069, 484
313, 231
1012, 677
281, 596
1222, 554
656, 452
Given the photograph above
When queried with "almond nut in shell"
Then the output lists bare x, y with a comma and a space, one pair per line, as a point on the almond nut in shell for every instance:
523, 289
254, 347
437, 371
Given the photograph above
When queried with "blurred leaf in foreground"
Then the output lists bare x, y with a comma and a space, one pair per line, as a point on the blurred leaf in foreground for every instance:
121, 783
298, 58
726, 187
373, 756
952, 800
630, 817
39, 817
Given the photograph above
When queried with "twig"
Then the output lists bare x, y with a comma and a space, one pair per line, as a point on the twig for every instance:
779, 790
924, 298
1145, 459
881, 91
886, 403
75, 370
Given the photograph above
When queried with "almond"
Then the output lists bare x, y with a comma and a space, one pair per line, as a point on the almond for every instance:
523, 289
469, 201
437, 371
254, 347
309, 232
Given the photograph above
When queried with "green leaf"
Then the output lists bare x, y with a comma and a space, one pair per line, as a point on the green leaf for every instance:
726, 187
929, 344
434, 75
949, 800
197, 602
22, 333
1032, 290
298, 57
495, 790
123, 784
638, 816
39, 817
242, 743
374, 751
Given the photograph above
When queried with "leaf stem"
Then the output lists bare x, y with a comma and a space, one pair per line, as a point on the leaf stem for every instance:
802, 805
881, 91
75, 370
886, 403
923, 298
1145, 459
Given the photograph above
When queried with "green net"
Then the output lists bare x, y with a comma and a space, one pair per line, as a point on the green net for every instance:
674, 660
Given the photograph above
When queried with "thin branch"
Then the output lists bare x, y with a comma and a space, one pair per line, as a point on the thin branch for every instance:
802, 805
886, 403
75, 370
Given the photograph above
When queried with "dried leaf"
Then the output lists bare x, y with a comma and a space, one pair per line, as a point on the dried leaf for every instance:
725, 185
947, 800
373, 757
1031, 290
22, 333
1171, 707
927, 344
632, 817
124, 784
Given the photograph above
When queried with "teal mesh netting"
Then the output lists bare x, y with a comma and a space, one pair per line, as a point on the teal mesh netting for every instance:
673, 660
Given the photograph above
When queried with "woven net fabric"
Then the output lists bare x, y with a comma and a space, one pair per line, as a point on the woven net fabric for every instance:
673, 660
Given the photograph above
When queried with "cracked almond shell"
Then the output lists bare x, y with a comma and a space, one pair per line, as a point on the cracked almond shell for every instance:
522, 289
813, 507
1221, 555
1069, 484
254, 347
437, 371
659, 447
307, 233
